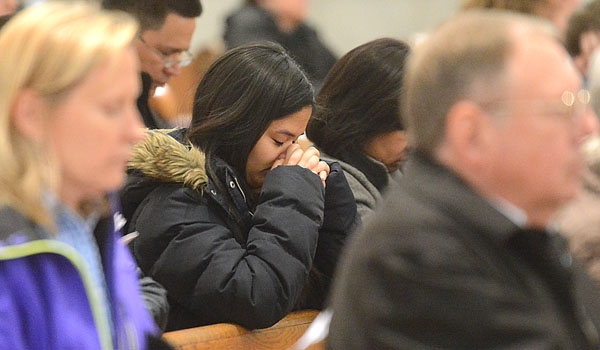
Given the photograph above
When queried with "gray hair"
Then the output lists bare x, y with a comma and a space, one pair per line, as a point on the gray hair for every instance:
464, 59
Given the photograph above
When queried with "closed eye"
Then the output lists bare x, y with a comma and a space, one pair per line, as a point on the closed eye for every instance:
278, 143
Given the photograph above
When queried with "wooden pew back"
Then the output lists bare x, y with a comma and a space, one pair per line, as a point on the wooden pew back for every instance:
223, 336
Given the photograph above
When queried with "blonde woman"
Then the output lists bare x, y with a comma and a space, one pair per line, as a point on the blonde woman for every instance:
68, 121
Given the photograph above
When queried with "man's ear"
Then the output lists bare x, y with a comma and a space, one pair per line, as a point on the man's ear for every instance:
28, 113
468, 132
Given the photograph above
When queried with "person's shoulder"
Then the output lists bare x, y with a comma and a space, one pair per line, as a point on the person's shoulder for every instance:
14, 227
248, 15
359, 183
307, 30
163, 156
172, 196
404, 213
413, 238
11, 220
354, 175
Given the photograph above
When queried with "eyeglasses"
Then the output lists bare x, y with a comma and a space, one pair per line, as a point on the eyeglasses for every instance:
572, 105
181, 58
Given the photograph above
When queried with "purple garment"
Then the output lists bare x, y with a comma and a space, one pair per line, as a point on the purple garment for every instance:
43, 300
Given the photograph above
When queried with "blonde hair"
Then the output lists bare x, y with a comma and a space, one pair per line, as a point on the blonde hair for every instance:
48, 48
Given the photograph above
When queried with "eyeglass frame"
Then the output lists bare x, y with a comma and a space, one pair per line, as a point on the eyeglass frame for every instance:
184, 59
574, 104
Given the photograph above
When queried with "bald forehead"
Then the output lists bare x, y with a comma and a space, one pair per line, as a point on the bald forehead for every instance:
538, 62
483, 43
466, 58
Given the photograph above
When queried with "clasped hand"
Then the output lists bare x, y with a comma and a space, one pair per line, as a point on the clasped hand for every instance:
309, 159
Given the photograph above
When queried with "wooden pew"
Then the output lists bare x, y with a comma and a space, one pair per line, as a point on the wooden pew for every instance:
280, 336
175, 102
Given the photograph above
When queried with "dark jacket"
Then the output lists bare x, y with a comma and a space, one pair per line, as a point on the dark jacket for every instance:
251, 24
220, 261
47, 299
155, 299
149, 116
368, 180
438, 267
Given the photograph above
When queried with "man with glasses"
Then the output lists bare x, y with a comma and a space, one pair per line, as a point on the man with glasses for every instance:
163, 46
166, 29
463, 255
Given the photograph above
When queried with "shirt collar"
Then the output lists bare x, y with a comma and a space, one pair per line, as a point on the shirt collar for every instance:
513, 213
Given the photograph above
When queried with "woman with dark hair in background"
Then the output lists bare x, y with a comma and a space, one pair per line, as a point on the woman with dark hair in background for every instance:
357, 119
232, 213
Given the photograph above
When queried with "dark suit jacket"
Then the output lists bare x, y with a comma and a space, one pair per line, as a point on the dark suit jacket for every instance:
150, 118
441, 268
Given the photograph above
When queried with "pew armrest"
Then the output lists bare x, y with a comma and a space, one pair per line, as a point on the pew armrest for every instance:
282, 335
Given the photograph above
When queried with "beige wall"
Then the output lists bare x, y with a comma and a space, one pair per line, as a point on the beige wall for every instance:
344, 24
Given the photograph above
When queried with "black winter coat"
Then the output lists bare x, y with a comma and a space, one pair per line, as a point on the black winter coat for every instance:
219, 261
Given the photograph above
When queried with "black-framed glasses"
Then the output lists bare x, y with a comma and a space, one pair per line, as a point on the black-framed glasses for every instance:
181, 58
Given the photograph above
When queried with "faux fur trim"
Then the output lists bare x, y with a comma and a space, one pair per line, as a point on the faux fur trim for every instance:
161, 157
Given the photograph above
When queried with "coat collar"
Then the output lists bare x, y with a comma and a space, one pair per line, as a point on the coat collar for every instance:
425, 177
163, 158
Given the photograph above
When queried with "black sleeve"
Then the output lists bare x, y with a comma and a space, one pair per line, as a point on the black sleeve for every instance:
155, 299
340, 219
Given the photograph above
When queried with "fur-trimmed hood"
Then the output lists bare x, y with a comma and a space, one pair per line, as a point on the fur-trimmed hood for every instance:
163, 158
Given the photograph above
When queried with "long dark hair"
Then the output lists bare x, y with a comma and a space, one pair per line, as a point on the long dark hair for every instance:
360, 98
240, 95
